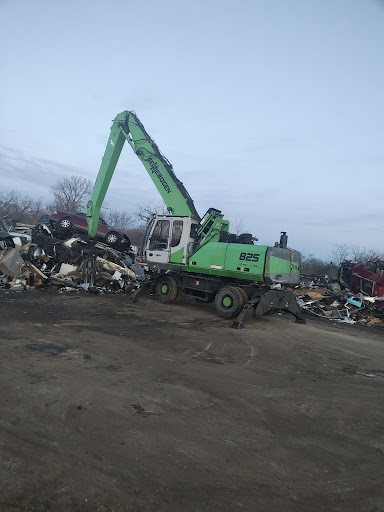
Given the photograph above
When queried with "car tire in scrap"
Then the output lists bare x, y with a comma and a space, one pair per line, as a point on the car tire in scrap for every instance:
74, 276
125, 241
112, 238
103, 279
229, 301
167, 289
65, 224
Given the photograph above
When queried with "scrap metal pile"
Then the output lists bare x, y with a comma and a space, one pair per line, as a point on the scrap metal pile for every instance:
41, 256
38, 256
358, 296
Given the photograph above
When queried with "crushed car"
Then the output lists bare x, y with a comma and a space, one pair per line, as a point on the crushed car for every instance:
66, 223
10, 257
70, 262
356, 296
16, 229
366, 278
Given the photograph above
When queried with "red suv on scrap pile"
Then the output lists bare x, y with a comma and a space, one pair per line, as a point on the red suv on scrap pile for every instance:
66, 222
366, 278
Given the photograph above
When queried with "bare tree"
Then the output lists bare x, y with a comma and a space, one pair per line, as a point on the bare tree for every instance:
340, 252
119, 219
71, 194
362, 253
136, 235
236, 225
144, 211
20, 208
311, 265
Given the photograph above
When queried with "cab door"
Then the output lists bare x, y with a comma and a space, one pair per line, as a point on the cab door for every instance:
178, 243
158, 248
170, 240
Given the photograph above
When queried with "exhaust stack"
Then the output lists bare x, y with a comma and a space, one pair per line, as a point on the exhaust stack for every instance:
283, 240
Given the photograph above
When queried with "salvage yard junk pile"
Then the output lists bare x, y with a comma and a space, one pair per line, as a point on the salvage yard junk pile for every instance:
357, 296
39, 256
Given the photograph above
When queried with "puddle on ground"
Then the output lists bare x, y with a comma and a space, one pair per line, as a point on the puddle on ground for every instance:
371, 374
45, 348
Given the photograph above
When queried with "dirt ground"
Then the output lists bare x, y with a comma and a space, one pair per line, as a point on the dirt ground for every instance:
153, 407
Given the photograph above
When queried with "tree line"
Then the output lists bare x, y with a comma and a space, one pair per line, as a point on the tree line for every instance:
312, 265
71, 194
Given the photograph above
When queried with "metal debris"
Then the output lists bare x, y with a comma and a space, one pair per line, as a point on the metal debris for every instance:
69, 262
10, 257
341, 306
363, 277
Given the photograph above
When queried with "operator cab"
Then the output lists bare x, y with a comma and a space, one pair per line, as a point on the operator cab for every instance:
170, 239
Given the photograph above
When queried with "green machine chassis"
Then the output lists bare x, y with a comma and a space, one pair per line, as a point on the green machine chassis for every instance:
212, 264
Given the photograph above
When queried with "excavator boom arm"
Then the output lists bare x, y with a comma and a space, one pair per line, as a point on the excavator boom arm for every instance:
127, 127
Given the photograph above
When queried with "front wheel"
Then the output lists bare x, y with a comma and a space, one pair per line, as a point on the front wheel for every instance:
65, 224
112, 238
229, 301
167, 289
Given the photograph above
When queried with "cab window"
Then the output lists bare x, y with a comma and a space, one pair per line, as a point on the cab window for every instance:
160, 235
177, 230
193, 232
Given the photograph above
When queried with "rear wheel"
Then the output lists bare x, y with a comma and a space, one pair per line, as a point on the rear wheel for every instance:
229, 301
167, 289
112, 238
65, 224
125, 241
245, 294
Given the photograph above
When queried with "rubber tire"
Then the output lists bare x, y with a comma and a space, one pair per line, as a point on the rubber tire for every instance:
173, 291
102, 277
65, 229
113, 234
237, 301
245, 295
75, 276
125, 241
74, 273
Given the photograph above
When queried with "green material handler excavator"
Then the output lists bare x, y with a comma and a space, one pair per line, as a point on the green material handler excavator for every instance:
198, 256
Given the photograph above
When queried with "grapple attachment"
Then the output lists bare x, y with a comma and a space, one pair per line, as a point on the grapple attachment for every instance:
269, 302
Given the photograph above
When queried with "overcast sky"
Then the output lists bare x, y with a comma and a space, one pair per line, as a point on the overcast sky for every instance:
269, 110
